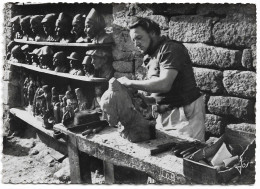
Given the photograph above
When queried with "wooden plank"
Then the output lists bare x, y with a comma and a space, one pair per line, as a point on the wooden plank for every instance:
58, 44
65, 75
22, 114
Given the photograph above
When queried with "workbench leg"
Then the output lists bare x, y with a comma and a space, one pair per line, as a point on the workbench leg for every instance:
109, 172
74, 160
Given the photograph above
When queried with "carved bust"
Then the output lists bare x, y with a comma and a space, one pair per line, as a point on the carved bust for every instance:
117, 106
45, 57
95, 28
88, 67
102, 60
60, 62
10, 45
62, 28
78, 28
17, 54
16, 28
26, 29
37, 28
48, 23
75, 64
26, 49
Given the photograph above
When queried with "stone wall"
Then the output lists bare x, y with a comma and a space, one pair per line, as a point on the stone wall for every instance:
221, 39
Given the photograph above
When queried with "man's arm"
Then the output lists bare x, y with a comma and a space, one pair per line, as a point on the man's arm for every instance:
161, 84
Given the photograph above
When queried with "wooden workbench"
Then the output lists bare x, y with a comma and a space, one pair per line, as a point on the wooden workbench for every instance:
114, 150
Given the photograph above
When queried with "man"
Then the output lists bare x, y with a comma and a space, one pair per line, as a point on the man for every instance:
95, 28
171, 81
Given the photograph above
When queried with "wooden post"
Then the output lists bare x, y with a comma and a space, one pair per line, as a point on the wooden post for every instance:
74, 159
109, 172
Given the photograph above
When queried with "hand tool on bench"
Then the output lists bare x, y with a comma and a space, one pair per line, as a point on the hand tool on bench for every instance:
162, 148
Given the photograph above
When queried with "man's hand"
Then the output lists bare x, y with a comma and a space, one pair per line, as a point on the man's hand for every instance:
125, 81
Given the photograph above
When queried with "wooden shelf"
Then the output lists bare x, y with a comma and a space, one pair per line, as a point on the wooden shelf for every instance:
65, 75
24, 115
58, 44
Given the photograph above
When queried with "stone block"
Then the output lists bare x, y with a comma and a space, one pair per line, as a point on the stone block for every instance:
123, 66
122, 40
8, 75
173, 9
209, 80
247, 61
161, 20
243, 127
235, 30
190, 28
119, 74
232, 106
225, 9
240, 83
6, 109
205, 100
253, 48
11, 94
215, 57
215, 125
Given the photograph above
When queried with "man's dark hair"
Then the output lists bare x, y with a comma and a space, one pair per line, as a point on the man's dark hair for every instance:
147, 24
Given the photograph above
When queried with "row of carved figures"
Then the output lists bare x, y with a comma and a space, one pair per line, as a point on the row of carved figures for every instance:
94, 63
61, 28
52, 106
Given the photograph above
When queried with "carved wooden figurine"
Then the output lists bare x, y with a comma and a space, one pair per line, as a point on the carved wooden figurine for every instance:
36, 101
71, 105
82, 100
75, 64
60, 62
95, 28
62, 28
117, 106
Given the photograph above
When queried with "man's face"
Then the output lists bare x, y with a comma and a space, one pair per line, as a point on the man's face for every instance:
77, 28
90, 29
141, 39
97, 62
